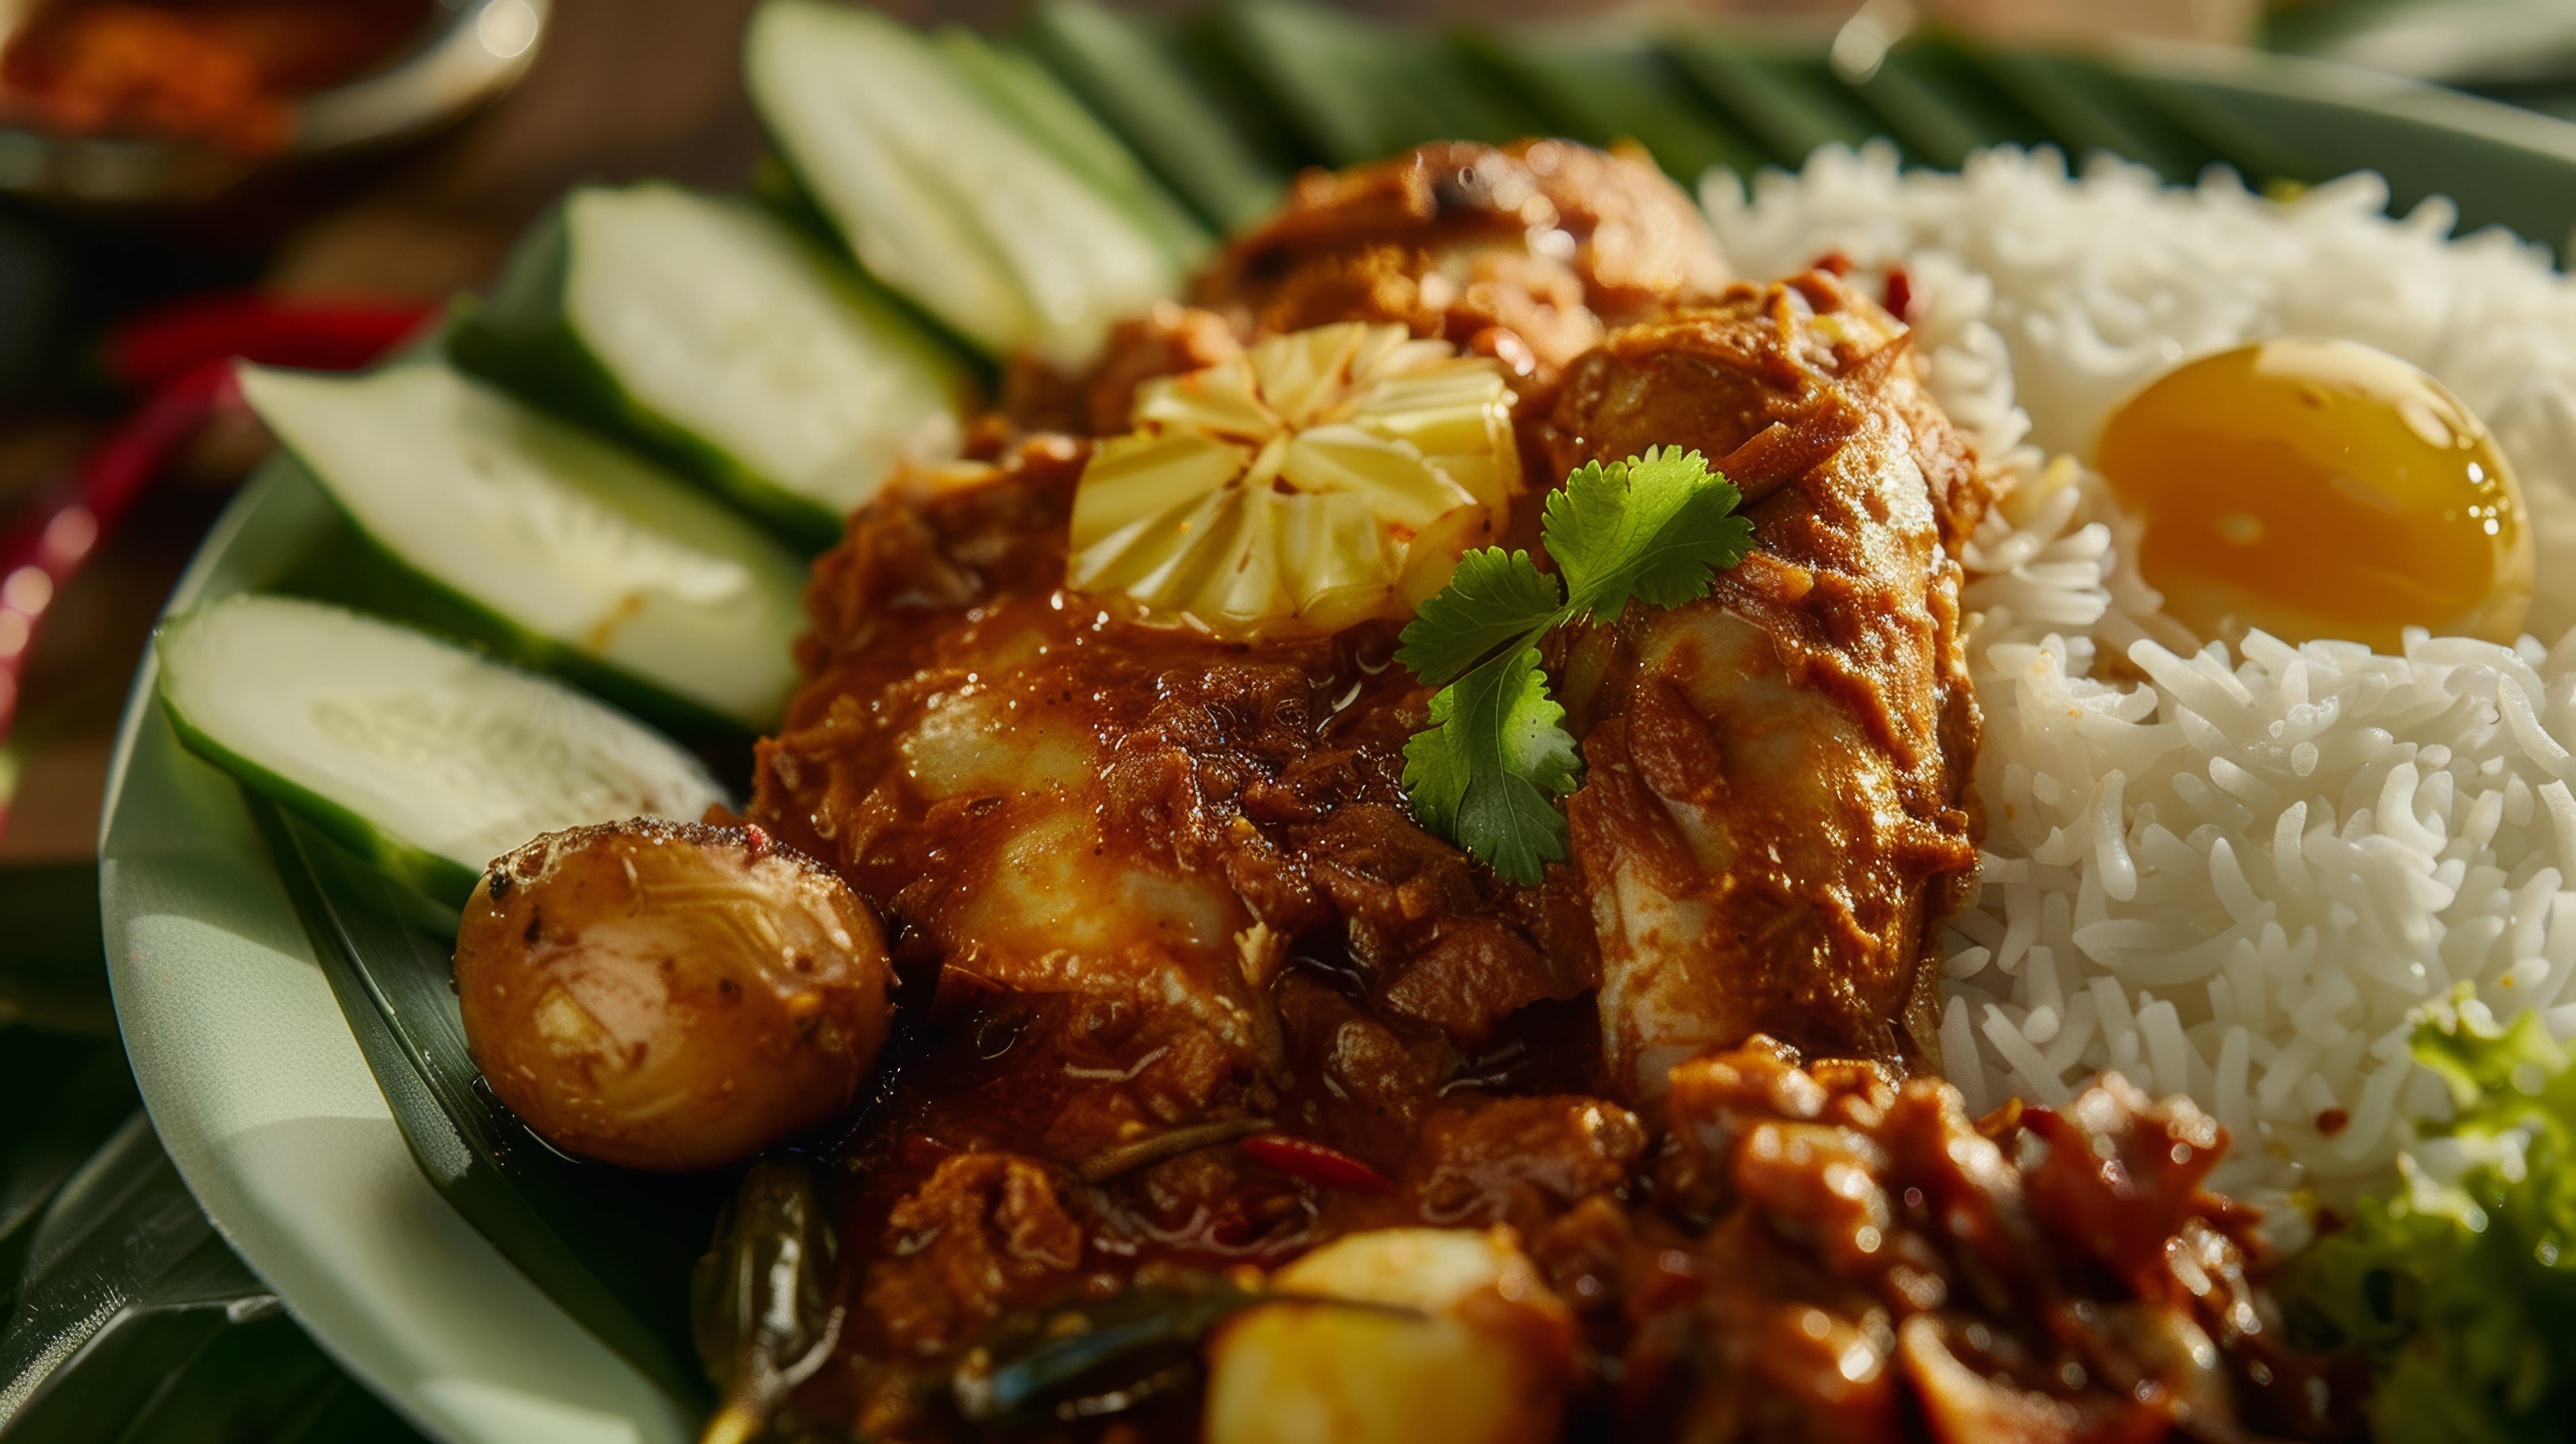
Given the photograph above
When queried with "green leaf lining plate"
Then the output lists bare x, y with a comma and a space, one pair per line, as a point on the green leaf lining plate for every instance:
244, 1052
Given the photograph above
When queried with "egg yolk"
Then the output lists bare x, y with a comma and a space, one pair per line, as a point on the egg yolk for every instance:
2320, 488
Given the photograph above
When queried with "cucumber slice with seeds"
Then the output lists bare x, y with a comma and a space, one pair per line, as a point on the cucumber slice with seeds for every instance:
566, 552
942, 196
416, 753
725, 341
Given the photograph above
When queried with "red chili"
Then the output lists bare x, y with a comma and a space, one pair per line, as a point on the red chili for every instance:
183, 355
1324, 1167
39, 555
1900, 294
1834, 262
165, 343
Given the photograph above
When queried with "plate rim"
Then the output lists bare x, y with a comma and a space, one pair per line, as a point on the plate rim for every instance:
281, 513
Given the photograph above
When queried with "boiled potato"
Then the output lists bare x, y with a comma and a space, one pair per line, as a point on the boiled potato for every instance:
1486, 1364
670, 996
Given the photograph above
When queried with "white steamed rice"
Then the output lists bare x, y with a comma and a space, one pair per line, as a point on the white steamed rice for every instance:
2233, 876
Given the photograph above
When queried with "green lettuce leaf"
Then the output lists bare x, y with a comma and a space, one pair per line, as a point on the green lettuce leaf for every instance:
2462, 1290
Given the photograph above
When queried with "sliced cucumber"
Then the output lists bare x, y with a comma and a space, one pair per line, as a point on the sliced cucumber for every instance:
417, 753
1129, 72
562, 549
716, 334
1015, 84
943, 197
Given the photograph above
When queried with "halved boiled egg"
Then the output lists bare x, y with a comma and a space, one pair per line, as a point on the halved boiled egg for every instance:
2314, 488
1325, 477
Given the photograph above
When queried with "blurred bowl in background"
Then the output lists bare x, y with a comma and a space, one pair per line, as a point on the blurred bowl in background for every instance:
461, 54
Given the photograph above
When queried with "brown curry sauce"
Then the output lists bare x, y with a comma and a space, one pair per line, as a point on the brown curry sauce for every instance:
1754, 1247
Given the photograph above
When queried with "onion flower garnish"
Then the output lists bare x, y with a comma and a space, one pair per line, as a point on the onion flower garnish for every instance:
1324, 478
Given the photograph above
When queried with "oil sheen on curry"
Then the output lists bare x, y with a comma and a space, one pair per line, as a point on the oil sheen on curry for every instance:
1143, 1068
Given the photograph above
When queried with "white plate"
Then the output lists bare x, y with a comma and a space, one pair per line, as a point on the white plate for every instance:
271, 1114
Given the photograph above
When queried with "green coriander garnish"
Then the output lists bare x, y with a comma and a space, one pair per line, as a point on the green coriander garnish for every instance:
1485, 773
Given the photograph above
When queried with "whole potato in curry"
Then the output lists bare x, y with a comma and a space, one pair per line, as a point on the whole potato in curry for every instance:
667, 995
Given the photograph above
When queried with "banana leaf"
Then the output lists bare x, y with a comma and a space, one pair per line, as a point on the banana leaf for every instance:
1132, 75
200, 1352
132, 1321
1359, 90
613, 1246
2281, 119
117, 1225
2260, 155
256, 1376
1940, 106
122, 1316
61, 1065
69, 1095
1782, 94
1200, 43
1598, 88
2084, 112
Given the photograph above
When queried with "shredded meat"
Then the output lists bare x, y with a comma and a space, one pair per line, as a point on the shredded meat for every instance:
1520, 1161
1527, 252
1834, 1255
1776, 810
981, 1231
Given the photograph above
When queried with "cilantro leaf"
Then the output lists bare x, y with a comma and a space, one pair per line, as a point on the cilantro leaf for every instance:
1485, 774
1651, 528
1492, 600
1521, 825
1436, 769
1506, 819
1495, 739
1530, 736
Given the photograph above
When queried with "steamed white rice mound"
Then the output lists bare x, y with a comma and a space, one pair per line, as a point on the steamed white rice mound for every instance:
2231, 875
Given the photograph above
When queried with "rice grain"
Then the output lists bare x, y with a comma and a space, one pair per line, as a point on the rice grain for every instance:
2236, 874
